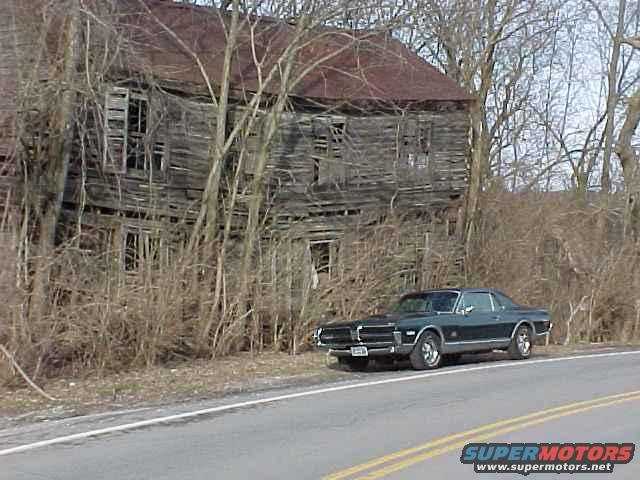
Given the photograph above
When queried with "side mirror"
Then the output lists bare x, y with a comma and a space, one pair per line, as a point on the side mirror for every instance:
467, 310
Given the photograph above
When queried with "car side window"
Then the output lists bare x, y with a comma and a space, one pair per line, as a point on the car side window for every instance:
481, 302
497, 305
505, 301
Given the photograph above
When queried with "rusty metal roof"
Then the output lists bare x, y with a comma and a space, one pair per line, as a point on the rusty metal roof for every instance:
347, 65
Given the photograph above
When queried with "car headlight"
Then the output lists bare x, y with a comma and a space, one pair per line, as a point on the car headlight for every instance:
316, 334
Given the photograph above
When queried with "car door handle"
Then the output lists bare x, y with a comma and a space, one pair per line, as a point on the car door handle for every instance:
497, 317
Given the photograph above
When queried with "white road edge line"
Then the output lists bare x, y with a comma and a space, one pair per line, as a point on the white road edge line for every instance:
222, 408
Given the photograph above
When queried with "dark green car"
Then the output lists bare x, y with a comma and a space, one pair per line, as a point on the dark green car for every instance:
429, 326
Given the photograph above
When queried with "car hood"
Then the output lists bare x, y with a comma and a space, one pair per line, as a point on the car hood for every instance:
385, 319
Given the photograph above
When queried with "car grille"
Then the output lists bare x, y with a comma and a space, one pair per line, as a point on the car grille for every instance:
336, 336
381, 334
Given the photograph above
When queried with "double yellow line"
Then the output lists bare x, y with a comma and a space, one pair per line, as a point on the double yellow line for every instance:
405, 458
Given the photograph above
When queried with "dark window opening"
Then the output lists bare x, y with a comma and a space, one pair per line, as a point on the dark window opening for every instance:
153, 249
416, 148
321, 256
143, 248
132, 252
4, 164
138, 112
316, 170
328, 144
451, 228
137, 129
424, 145
337, 132
157, 157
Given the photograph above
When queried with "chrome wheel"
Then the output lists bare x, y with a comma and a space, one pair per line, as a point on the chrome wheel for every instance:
430, 352
523, 341
426, 355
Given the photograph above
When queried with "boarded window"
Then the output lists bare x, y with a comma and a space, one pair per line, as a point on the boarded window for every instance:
115, 132
128, 146
251, 140
328, 145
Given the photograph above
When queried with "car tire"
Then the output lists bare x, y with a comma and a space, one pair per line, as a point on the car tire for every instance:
521, 344
427, 354
356, 364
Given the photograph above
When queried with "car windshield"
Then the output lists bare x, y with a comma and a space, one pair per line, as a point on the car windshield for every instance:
427, 302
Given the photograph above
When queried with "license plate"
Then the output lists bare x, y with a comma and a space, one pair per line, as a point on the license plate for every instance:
359, 352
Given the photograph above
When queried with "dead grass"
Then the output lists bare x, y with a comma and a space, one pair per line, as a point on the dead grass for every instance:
193, 380
563, 252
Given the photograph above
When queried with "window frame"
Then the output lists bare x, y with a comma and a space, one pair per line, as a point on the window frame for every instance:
122, 135
415, 148
145, 238
491, 301
4, 164
329, 133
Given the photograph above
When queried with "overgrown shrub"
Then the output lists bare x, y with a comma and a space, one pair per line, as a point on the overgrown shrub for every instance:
545, 249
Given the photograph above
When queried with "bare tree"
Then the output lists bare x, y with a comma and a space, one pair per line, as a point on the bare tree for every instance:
629, 157
612, 85
61, 130
490, 47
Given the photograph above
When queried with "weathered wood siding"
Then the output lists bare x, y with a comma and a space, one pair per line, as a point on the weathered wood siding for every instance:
325, 172
330, 183
8, 66
22, 68
9, 44
183, 127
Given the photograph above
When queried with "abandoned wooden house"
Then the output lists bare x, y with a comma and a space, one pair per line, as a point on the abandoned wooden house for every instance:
369, 126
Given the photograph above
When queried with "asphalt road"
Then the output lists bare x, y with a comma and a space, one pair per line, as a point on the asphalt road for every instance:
400, 425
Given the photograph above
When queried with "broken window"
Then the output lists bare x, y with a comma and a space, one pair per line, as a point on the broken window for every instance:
132, 251
128, 146
328, 145
336, 129
142, 247
4, 164
321, 256
421, 159
136, 132
414, 148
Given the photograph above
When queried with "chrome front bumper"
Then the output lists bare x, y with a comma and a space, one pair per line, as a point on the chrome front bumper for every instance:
373, 351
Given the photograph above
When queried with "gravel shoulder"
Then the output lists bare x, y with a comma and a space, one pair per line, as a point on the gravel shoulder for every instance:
195, 381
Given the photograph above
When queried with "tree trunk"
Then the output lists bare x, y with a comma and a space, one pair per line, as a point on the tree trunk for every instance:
612, 98
479, 162
257, 185
629, 161
61, 130
209, 206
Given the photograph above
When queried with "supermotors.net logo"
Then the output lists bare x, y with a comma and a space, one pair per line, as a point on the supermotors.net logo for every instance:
526, 458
